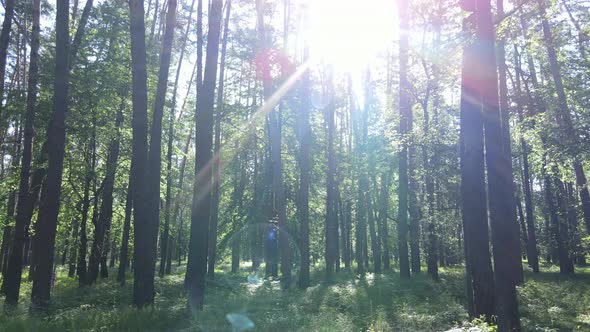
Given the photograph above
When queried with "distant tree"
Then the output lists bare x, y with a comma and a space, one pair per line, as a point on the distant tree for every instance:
304, 138
405, 108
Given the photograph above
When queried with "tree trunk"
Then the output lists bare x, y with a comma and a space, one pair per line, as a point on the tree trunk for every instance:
505, 237
504, 113
165, 235
155, 19
375, 240
564, 118
383, 212
561, 230
103, 224
15, 262
473, 192
405, 108
432, 258
123, 257
143, 287
361, 212
50, 196
79, 33
147, 264
89, 179
531, 248
201, 204
5, 250
217, 150
413, 209
304, 137
4, 41
331, 228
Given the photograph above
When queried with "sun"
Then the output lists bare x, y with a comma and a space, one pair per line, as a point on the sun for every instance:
349, 34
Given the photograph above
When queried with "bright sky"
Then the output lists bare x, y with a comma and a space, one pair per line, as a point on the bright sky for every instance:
349, 34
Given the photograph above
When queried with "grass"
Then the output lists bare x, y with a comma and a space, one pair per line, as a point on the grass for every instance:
548, 302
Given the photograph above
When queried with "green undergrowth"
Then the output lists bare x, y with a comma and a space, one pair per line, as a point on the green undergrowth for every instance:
548, 302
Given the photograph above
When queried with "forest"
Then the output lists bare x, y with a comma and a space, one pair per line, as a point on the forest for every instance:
294, 165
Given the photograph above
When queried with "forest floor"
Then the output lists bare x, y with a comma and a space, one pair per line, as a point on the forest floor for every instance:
548, 302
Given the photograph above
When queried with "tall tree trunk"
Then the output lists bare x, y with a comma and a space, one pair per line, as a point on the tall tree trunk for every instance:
50, 196
564, 117
532, 253
154, 20
165, 236
177, 200
331, 228
38, 178
103, 224
201, 204
473, 192
199, 46
432, 258
217, 150
79, 33
274, 130
361, 210
147, 264
15, 262
4, 41
504, 113
143, 287
502, 213
413, 209
89, 179
304, 137
405, 109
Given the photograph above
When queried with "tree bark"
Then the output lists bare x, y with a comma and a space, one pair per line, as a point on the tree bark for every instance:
563, 117
123, 257
103, 224
504, 112
201, 204
405, 109
304, 137
154, 166
479, 273
532, 253
80, 33
4, 41
413, 209
143, 287
15, 262
217, 151
502, 207
383, 213
331, 226
165, 235
50, 196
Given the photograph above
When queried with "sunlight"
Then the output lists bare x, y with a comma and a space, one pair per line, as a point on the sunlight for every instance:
349, 34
